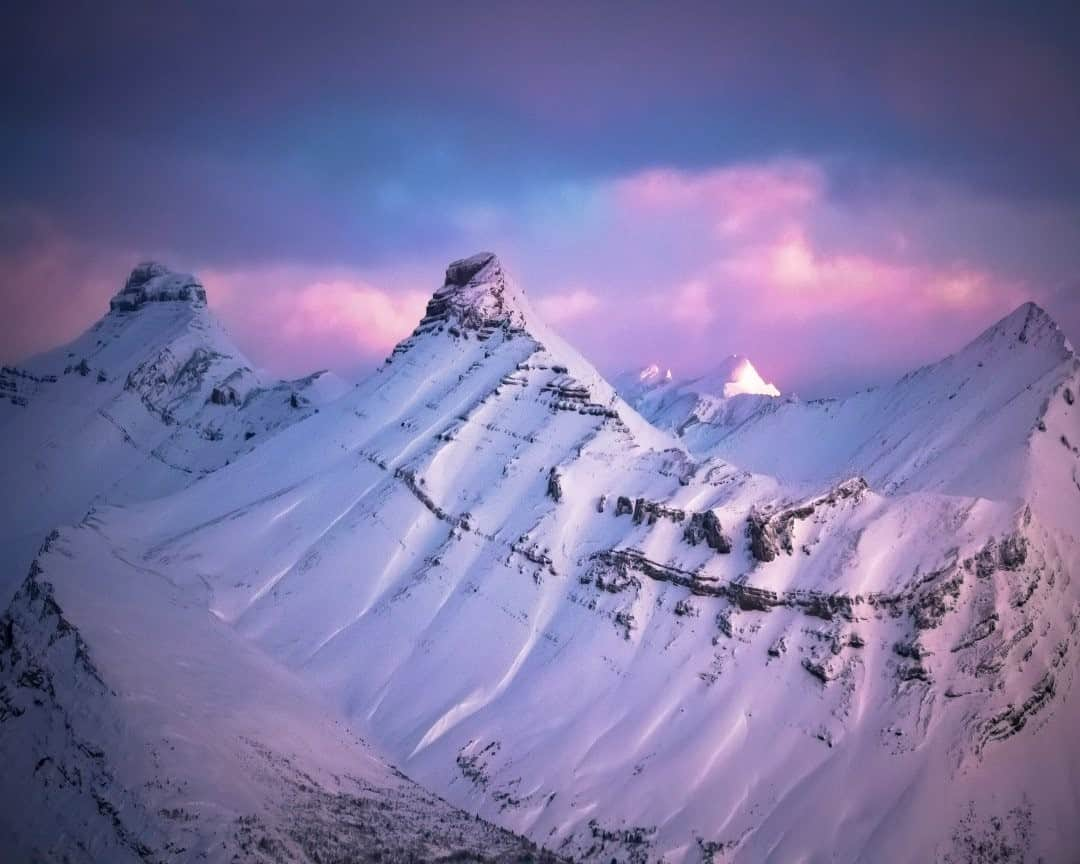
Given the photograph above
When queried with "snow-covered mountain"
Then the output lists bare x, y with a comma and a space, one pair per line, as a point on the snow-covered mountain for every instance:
978, 422
728, 393
614, 640
152, 397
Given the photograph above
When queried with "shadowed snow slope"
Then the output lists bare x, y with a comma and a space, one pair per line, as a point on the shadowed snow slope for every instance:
553, 614
137, 727
150, 398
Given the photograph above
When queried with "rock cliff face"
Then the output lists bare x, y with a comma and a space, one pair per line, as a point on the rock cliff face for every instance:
568, 601
705, 527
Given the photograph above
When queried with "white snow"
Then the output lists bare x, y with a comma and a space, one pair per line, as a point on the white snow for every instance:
876, 670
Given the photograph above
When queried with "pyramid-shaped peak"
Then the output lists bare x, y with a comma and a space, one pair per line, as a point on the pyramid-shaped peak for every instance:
477, 294
1028, 324
153, 282
735, 375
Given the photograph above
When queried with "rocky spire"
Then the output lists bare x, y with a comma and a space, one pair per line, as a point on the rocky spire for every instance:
152, 282
477, 294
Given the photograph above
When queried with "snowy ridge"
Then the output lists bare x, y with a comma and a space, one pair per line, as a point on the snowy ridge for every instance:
626, 644
633, 384
964, 425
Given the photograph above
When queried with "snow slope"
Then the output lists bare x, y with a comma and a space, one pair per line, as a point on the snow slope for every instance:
149, 399
556, 615
137, 727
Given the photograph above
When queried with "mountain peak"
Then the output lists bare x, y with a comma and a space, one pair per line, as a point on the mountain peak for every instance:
734, 376
653, 375
477, 293
1028, 324
153, 282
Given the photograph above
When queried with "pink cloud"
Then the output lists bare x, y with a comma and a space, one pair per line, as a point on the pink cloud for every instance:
288, 319
293, 319
765, 259
691, 304
824, 291
55, 287
734, 199
567, 306
805, 281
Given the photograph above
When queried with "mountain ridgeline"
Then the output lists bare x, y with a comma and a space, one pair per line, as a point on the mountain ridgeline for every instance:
757, 629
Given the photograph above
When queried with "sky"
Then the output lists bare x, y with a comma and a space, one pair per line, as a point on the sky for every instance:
841, 191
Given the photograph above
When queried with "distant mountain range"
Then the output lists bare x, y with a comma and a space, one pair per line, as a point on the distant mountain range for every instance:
704, 622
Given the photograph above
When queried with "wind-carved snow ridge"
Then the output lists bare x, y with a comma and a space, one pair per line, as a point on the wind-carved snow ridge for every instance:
640, 644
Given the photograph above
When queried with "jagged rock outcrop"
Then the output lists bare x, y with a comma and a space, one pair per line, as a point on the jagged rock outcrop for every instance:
475, 296
18, 386
1015, 717
705, 527
650, 511
224, 396
1013, 552
571, 395
769, 534
764, 545
554, 485
51, 695
151, 282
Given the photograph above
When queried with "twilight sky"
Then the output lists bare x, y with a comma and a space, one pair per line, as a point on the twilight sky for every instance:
839, 190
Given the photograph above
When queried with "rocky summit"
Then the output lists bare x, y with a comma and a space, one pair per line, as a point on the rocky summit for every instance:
476, 295
151, 282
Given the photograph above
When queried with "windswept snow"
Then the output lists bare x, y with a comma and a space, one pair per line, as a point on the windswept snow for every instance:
768, 631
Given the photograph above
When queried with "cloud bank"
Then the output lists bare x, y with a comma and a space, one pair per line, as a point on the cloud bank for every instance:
840, 194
